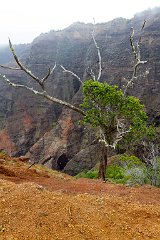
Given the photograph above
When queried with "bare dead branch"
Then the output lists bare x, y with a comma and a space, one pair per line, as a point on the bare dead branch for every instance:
39, 81
150, 157
137, 56
134, 50
31, 165
121, 131
140, 37
50, 71
98, 52
43, 94
28, 72
91, 74
72, 73
10, 68
21, 65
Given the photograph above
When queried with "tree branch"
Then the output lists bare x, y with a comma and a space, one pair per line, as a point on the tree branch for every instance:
50, 71
72, 73
10, 68
23, 68
44, 94
137, 56
121, 131
99, 54
39, 81
91, 74
28, 72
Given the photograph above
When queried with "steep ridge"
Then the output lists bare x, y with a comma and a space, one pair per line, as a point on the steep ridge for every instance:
25, 118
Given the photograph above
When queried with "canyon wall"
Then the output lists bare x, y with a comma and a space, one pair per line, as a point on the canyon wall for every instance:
50, 134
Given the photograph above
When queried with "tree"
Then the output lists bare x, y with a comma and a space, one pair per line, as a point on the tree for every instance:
115, 114
104, 106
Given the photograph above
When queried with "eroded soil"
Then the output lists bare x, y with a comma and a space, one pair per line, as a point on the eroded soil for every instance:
40, 204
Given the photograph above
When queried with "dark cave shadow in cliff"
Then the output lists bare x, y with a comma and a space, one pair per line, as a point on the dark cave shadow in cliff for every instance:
62, 161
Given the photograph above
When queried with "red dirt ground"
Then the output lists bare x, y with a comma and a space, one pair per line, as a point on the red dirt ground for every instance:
41, 204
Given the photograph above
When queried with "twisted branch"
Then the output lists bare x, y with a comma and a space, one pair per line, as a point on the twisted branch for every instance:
137, 56
98, 53
43, 94
27, 71
120, 133
72, 73
41, 82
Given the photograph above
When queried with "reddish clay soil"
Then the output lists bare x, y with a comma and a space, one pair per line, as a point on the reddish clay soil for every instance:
40, 204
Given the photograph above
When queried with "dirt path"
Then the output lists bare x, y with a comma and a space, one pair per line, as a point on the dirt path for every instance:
38, 204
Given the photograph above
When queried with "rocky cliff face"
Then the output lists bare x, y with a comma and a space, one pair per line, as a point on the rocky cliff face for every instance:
48, 133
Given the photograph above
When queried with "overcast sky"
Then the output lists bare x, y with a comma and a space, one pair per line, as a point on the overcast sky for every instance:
23, 20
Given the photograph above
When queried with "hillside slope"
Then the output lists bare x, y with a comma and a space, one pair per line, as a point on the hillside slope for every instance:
39, 203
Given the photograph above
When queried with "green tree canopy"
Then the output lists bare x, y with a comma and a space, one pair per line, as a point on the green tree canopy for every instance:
116, 114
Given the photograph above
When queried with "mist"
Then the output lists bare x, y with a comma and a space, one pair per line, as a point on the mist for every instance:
25, 20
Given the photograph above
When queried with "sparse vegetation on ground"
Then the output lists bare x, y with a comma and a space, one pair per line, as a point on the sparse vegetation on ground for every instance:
126, 169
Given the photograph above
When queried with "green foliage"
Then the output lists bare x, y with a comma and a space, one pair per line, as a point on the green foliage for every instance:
108, 108
53, 125
135, 171
103, 102
104, 105
133, 138
92, 174
116, 174
3, 152
129, 161
131, 170
128, 170
125, 171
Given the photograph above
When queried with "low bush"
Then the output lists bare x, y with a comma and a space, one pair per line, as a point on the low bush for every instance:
128, 170
116, 174
92, 174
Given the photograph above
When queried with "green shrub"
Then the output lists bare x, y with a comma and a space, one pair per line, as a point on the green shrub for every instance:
135, 171
128, 170
92, 174
116, 174
129, 161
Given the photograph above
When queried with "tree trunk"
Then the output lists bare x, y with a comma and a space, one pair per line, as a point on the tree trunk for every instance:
155, 168
103, 163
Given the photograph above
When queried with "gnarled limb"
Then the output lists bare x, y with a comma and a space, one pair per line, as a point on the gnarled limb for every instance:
44, 94
50, 71
119, 128
90, 71
41, 82
137, 57
120, 131
10, 68
72, 73
98, 53
27, 71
